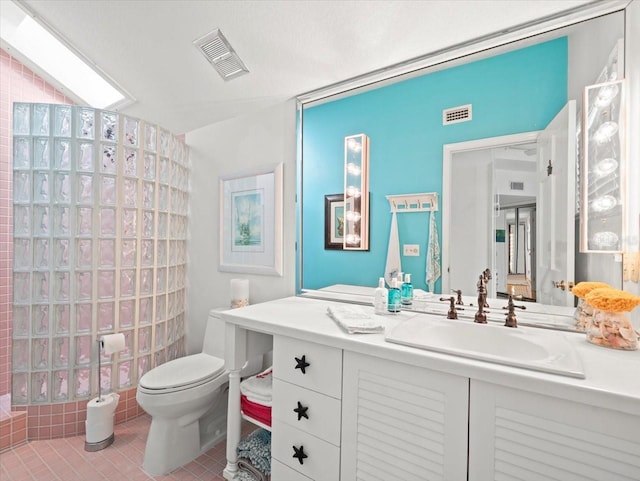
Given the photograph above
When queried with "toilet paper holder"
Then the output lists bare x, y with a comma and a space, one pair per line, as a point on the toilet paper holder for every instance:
111, 343
100, 411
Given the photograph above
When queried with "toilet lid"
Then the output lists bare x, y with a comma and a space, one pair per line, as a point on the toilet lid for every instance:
183, 372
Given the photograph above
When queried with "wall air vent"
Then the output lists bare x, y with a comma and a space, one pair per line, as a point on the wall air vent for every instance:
456, 114
217, 50
517, 185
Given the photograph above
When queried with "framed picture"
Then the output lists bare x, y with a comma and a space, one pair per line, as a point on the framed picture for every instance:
251, 222
334, 221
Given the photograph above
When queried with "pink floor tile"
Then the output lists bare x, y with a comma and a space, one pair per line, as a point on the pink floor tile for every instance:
64, 459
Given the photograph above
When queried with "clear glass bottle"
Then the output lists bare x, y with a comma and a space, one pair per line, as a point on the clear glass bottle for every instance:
393, 304
406, 292
380, 298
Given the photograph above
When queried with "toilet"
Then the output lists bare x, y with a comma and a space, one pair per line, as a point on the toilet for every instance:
187, 401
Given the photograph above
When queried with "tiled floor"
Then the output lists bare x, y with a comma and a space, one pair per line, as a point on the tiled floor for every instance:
65, 459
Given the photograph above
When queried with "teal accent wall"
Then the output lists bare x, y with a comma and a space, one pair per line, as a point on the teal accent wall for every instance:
515, 92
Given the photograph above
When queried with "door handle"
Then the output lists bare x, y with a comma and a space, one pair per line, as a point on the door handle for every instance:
563, 285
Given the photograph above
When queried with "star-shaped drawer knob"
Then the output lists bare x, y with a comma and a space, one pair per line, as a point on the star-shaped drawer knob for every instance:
302, 364
301, 411
299, 454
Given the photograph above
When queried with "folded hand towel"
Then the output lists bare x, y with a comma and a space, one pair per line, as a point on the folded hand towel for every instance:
255, 410
355, 320
258, 388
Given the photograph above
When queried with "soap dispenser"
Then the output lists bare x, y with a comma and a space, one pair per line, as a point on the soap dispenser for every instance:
406, 294
380, 298
393, 304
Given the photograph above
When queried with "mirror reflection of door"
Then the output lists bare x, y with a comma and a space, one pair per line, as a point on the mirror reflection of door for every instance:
515, 251
488, 177
488, 174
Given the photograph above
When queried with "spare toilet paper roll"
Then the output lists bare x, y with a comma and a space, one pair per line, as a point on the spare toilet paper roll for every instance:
100, 412
113, 343
239, 292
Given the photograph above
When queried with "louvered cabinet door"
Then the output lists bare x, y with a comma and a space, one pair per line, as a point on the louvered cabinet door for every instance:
401, 422
521, 436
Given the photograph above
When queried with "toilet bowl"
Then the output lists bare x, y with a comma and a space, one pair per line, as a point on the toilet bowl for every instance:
187, 401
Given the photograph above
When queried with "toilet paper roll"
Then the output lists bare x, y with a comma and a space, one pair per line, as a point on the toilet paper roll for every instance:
239, 292
113, 343
100, 412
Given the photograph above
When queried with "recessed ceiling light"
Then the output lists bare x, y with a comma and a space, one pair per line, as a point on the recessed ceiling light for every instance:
35, 44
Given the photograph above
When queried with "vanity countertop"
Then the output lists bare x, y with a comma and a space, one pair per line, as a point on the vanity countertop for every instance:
612, 376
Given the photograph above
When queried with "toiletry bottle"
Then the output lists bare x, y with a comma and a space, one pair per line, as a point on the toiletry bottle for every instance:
406, 292
380, 298
394, 297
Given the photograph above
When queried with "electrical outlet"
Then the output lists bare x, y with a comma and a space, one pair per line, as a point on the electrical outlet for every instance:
411, 249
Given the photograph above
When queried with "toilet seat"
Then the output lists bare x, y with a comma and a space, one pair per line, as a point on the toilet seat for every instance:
180, 374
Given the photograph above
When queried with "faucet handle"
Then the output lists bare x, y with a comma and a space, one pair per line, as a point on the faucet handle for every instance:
452, 314
459, 294
511, 320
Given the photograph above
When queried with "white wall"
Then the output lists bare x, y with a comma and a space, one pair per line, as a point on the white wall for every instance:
504, 177
589, 50
471, 219
224, 148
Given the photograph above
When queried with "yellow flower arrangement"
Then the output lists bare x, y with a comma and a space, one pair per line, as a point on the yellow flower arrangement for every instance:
581, 289
611, 300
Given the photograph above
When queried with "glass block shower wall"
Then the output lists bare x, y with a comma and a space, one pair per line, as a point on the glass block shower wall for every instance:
100, 226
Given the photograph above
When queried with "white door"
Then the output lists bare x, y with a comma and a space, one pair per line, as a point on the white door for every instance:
555, 242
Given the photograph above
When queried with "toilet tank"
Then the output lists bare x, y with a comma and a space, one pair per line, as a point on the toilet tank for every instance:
214, 337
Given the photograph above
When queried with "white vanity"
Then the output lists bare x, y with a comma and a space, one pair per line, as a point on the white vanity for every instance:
377, 410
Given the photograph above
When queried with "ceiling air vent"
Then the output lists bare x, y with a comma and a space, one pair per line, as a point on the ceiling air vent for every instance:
456, 114
517, 185
217, 50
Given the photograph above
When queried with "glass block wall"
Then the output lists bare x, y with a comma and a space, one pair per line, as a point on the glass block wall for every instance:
100, 225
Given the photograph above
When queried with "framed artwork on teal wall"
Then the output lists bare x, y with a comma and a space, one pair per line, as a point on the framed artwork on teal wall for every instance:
334, 221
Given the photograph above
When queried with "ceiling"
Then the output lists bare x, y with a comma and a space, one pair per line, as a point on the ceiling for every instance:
289, 46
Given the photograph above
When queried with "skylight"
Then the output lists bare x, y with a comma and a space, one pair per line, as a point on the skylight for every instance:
20, 32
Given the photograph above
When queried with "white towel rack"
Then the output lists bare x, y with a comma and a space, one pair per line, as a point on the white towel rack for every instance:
425, 202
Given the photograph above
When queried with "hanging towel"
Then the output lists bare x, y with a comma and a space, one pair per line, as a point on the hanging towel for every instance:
355, 320
394, 266
433, 253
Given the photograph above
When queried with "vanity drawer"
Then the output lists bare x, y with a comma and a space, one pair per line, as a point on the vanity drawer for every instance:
307, 364
323, 459
282, 472
323, 412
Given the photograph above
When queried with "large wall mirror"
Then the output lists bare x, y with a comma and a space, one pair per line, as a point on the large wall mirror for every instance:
487, 171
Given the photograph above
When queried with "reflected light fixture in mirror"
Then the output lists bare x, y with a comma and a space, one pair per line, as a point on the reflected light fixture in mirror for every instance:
356, 193
602, 220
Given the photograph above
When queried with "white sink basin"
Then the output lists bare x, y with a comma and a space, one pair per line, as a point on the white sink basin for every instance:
524, 347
